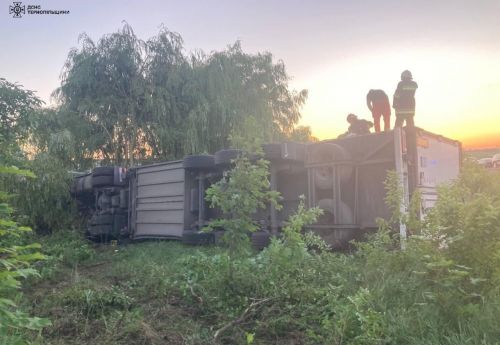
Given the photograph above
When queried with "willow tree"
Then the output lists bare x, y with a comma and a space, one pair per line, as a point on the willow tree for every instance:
103, 83
167, 73
230, 86
16, 107
149, 100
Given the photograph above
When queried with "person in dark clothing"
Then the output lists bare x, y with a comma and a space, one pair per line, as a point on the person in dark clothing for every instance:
404, 100
357, 126
378, 103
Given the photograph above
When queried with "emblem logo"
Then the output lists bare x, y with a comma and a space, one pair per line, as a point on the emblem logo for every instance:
17, 10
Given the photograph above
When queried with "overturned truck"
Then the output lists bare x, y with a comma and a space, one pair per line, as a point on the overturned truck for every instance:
344, 177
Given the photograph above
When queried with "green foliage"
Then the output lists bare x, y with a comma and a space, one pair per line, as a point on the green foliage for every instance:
296, 290
45, 201
248, 136
466, 222
292, 235
121, 295
301, 134
127, 99
239, 195
268, 285
92, 303
66, 137
16, 107
394, 197
16, 260
63, 249
42, 202
442, 289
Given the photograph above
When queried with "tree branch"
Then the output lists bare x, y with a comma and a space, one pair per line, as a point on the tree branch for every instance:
246, 313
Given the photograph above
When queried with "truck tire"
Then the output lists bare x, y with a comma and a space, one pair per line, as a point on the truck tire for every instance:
198, 162
323, 177
260, 239
329, 153
102, 181
104, 171
198, 238
272, 152
224, 157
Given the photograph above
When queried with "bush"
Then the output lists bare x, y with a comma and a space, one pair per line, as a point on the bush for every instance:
63, 248
442, 289
239, 195
16, 260
45, 201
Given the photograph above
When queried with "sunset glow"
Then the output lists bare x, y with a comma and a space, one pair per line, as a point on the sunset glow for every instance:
337, 50
458, 95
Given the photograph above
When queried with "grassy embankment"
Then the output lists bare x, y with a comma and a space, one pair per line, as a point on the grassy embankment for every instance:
443, 289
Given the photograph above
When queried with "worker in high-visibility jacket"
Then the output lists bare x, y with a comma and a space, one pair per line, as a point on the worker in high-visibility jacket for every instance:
378, 103
404, 100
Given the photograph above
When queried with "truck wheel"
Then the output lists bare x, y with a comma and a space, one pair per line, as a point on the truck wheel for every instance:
198, 238
103, 171
224, 157
198, 162
260, 239
102, 181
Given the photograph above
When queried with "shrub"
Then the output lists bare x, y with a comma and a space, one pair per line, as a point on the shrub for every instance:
16, 259
45, 201
63, 248
239, 195
441, 289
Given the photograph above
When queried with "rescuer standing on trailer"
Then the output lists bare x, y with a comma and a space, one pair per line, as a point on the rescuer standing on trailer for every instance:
378, 103
404, 100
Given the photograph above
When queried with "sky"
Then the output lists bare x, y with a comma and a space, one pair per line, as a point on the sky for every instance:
336, 49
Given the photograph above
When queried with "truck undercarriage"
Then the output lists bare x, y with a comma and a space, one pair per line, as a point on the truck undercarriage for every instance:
344, 177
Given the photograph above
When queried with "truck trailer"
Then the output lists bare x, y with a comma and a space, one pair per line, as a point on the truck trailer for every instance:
344, 177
